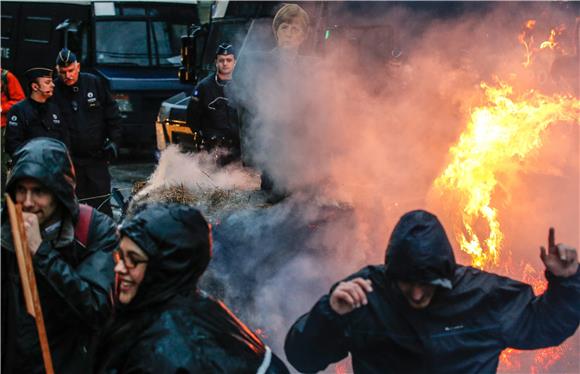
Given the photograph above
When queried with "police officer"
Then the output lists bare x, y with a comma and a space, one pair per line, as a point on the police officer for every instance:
95, 126
36, 116
209, 112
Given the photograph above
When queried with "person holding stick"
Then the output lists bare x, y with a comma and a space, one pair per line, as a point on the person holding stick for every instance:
71, 250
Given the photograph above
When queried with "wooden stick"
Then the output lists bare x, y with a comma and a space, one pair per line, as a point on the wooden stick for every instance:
28, 279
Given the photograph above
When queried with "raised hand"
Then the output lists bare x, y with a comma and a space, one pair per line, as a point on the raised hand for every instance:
560, 259
350, 295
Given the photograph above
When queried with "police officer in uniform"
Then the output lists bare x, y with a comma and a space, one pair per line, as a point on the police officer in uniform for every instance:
95, 126
36, 116
209, 112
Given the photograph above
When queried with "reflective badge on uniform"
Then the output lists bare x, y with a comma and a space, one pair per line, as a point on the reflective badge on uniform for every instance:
13, 121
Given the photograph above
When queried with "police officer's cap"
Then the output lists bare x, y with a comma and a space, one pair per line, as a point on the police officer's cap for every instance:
225, 49
38, 72
65, 57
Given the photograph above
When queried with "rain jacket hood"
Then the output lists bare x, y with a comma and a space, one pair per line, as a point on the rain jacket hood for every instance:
176, 239
419, 251
169, 314
47, 161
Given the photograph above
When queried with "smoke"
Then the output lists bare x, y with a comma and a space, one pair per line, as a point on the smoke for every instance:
198, 171
356, 139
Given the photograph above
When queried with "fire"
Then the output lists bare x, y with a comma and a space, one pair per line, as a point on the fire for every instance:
498, 136
552, 43
526, 39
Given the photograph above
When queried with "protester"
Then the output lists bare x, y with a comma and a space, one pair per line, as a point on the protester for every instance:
209, 112
11, 94
36, 116
95, 124
271, 77
71, 247
423, 313
163, 323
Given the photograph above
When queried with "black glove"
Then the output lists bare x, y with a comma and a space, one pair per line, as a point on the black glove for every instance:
110, 150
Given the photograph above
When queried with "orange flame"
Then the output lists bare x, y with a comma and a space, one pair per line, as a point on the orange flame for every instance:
526, 39
552, 43
498, 136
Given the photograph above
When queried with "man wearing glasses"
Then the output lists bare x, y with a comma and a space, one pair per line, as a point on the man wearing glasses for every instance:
71, 248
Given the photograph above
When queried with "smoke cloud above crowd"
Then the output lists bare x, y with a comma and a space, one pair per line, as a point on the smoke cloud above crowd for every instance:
358, 136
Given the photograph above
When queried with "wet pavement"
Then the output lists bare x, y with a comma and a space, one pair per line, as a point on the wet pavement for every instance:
130, 168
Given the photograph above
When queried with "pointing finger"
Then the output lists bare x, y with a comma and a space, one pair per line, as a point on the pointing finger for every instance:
551, 241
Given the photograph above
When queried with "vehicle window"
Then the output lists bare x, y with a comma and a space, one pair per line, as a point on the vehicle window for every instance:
168, 42
132, 11
122, 43
37, 29
6, 25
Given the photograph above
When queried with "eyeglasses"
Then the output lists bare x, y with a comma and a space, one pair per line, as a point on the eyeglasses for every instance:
128, 260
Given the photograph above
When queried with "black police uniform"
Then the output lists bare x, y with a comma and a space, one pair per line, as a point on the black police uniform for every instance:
30, 119
95, 123
209, 113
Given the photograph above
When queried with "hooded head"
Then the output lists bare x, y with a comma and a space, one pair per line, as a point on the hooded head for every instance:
47, 161
177, 241
419, 251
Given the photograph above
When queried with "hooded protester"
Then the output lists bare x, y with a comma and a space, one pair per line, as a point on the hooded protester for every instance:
163, 323
423, 313
71, 248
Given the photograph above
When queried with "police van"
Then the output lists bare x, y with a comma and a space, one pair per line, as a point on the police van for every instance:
133, 45
341, 27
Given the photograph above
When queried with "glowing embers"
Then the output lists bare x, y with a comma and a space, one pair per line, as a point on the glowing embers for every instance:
499, 135
526, 39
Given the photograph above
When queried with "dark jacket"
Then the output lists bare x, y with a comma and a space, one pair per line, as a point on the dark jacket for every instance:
209, 110
29, 119
73, 279
169, 326
92, 113
463, 330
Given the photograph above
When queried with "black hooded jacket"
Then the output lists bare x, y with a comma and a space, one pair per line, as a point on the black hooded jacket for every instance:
74, 279
463, 330
170, 326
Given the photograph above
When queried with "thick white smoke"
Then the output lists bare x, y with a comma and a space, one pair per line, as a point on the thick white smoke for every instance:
358, 141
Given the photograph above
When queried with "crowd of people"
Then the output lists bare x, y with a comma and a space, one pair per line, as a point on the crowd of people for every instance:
126, 299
